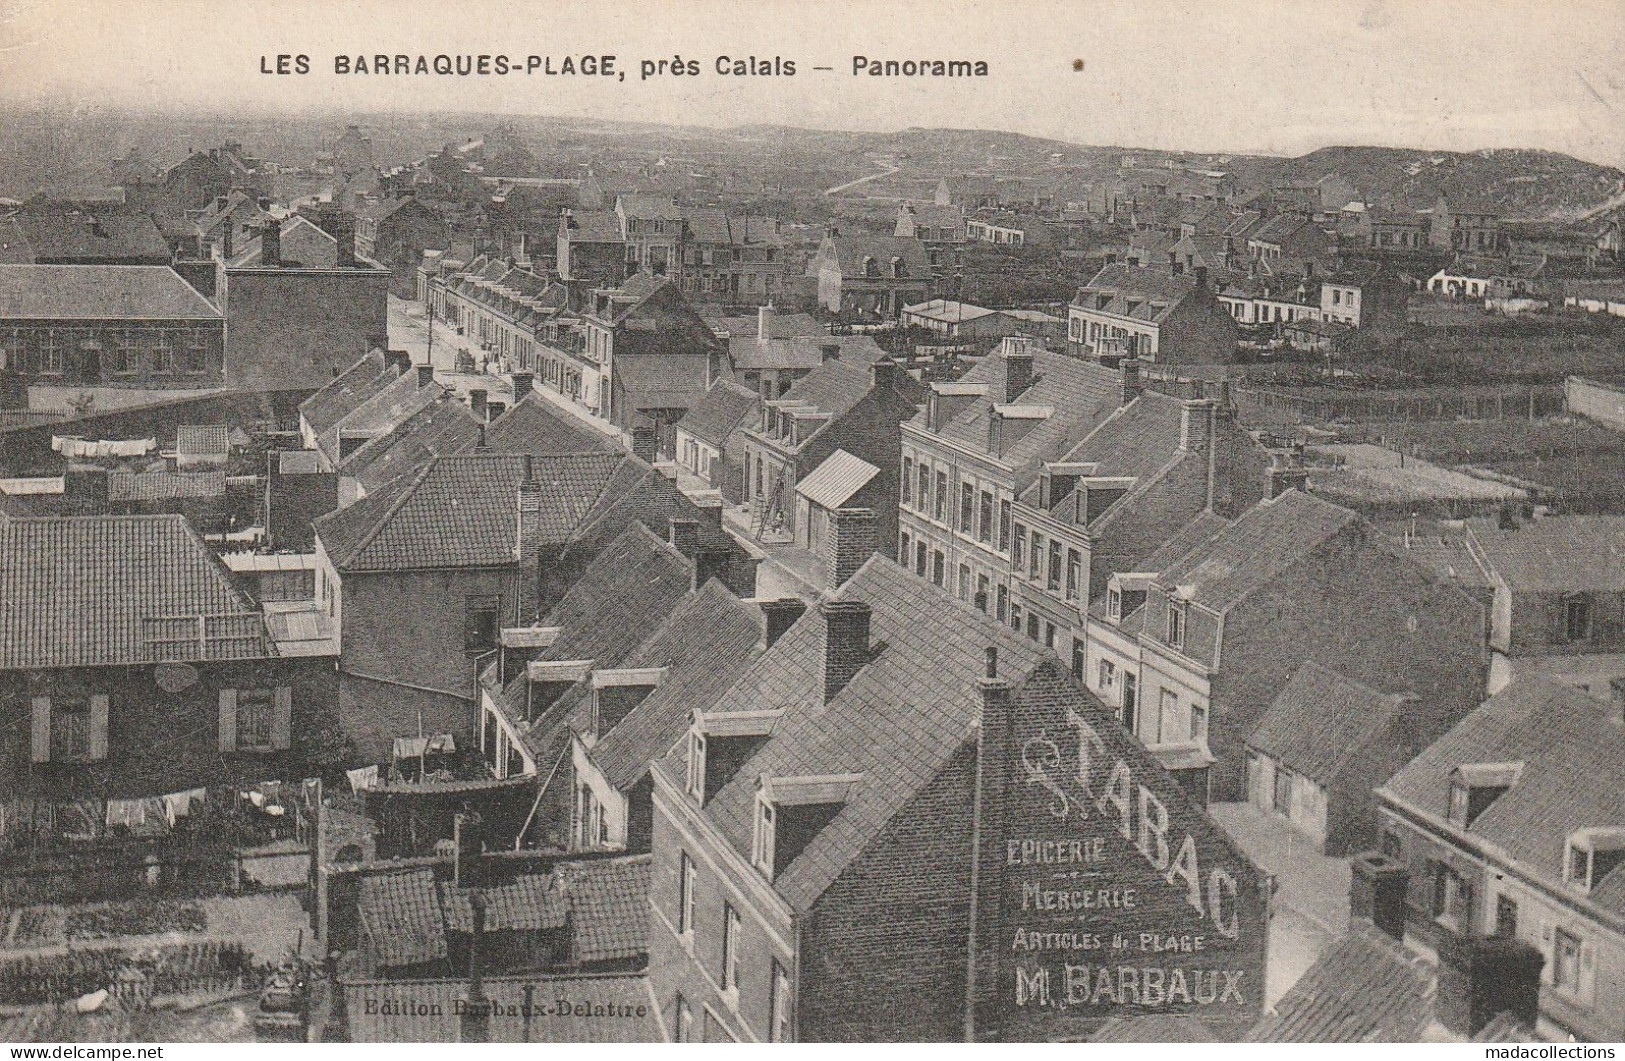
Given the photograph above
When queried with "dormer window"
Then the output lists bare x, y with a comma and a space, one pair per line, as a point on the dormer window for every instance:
761, 847
871, 267
898, 269
1178, 613
1114, 603
696, 764
1474, 786
791, 811
1591, 855
719, 744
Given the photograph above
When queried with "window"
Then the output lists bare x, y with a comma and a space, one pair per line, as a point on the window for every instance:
123, 352
163, 352
1108, 675
1074, 573
1002, 598
981, 592
696, 764
684, 1032
1054, 576
761, 852
1506, 916
906, 549
1049, 634
1004, 527
50, 352
1035, 557
1452, 897
1566, 960
685, 894
255, 711
197, 351
1032, 626
1577, 617
1176, 624
919, 559
925, 488
1015, 616
1114, 603
1283, 790
70, 732
939, 568
1198, 722
730, 948
482, 623
1018, 547
984, 526
779, 1006
940, 498
908, 480
964, 582
967, 505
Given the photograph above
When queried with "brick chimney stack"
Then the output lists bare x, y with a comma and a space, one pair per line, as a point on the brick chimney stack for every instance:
344, 233
1196, 425
528, 540
1018, 367
1377, 892
684, 535
846, 643
271, 243
853, 538
523, 384
995, 752
425, 375
764, 324
1278, 480
1482, 977
1132, 385
478, 404
779, 616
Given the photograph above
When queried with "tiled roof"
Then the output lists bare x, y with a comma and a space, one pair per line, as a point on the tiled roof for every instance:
99, 292
1555, 553
369, 375
384, 410
1266, 540
594, 227
897, 721
1363, 989
704, 645
833, 388
1082, 395
832, 483
524, 904
401, 914
1320, 721
461, 511
425, 1011
719, 414
81, 591
164, 485
533, 426
1573, 775
1141, 292
850, 252
609, 907
205, 440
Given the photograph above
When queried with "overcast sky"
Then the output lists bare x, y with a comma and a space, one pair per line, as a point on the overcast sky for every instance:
1205, 75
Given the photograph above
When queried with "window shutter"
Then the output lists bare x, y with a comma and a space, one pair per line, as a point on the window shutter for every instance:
98, 728
228, 720
40, 729
282, 720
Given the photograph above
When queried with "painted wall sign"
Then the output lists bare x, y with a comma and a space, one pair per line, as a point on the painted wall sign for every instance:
1120, 896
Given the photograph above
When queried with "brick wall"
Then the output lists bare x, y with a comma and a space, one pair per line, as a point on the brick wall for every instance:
293, 328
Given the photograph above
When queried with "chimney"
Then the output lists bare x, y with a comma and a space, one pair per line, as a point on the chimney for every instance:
226, 235
1174, 265
477, 399
883, 375
1195, 425
425, 375
1018, 367
1201, 280
684, 535
779, 616
1278, 480
1482, 977
829, 351
1132, 387
466, 846
344, 233
846, 643
523, 384
764, 323
995, 755
271, 243
645, 442
1377, 886
854, 537
528, 541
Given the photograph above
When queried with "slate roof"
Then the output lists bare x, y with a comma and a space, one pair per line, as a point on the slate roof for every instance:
800, 351
428, 1010
832, 483
1081, 393
1264, 541
704, 645
833, 388
1363, 989
1573, 776
850, 251
401, 914
725, 407
79, 591
1555, 553
779, 325
100, 292
609, 907
1320, 721
1140, 292
621, 598
1136, 440
382, 411
442, 427
67, 234
662, 380
897, 722
460, 511
352, 387
534, 426
594, 227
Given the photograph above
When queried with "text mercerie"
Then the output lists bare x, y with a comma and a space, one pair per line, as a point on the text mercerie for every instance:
1139, 815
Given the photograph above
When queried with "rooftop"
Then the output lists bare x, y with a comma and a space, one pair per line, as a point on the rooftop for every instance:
100, 292
1320, 721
